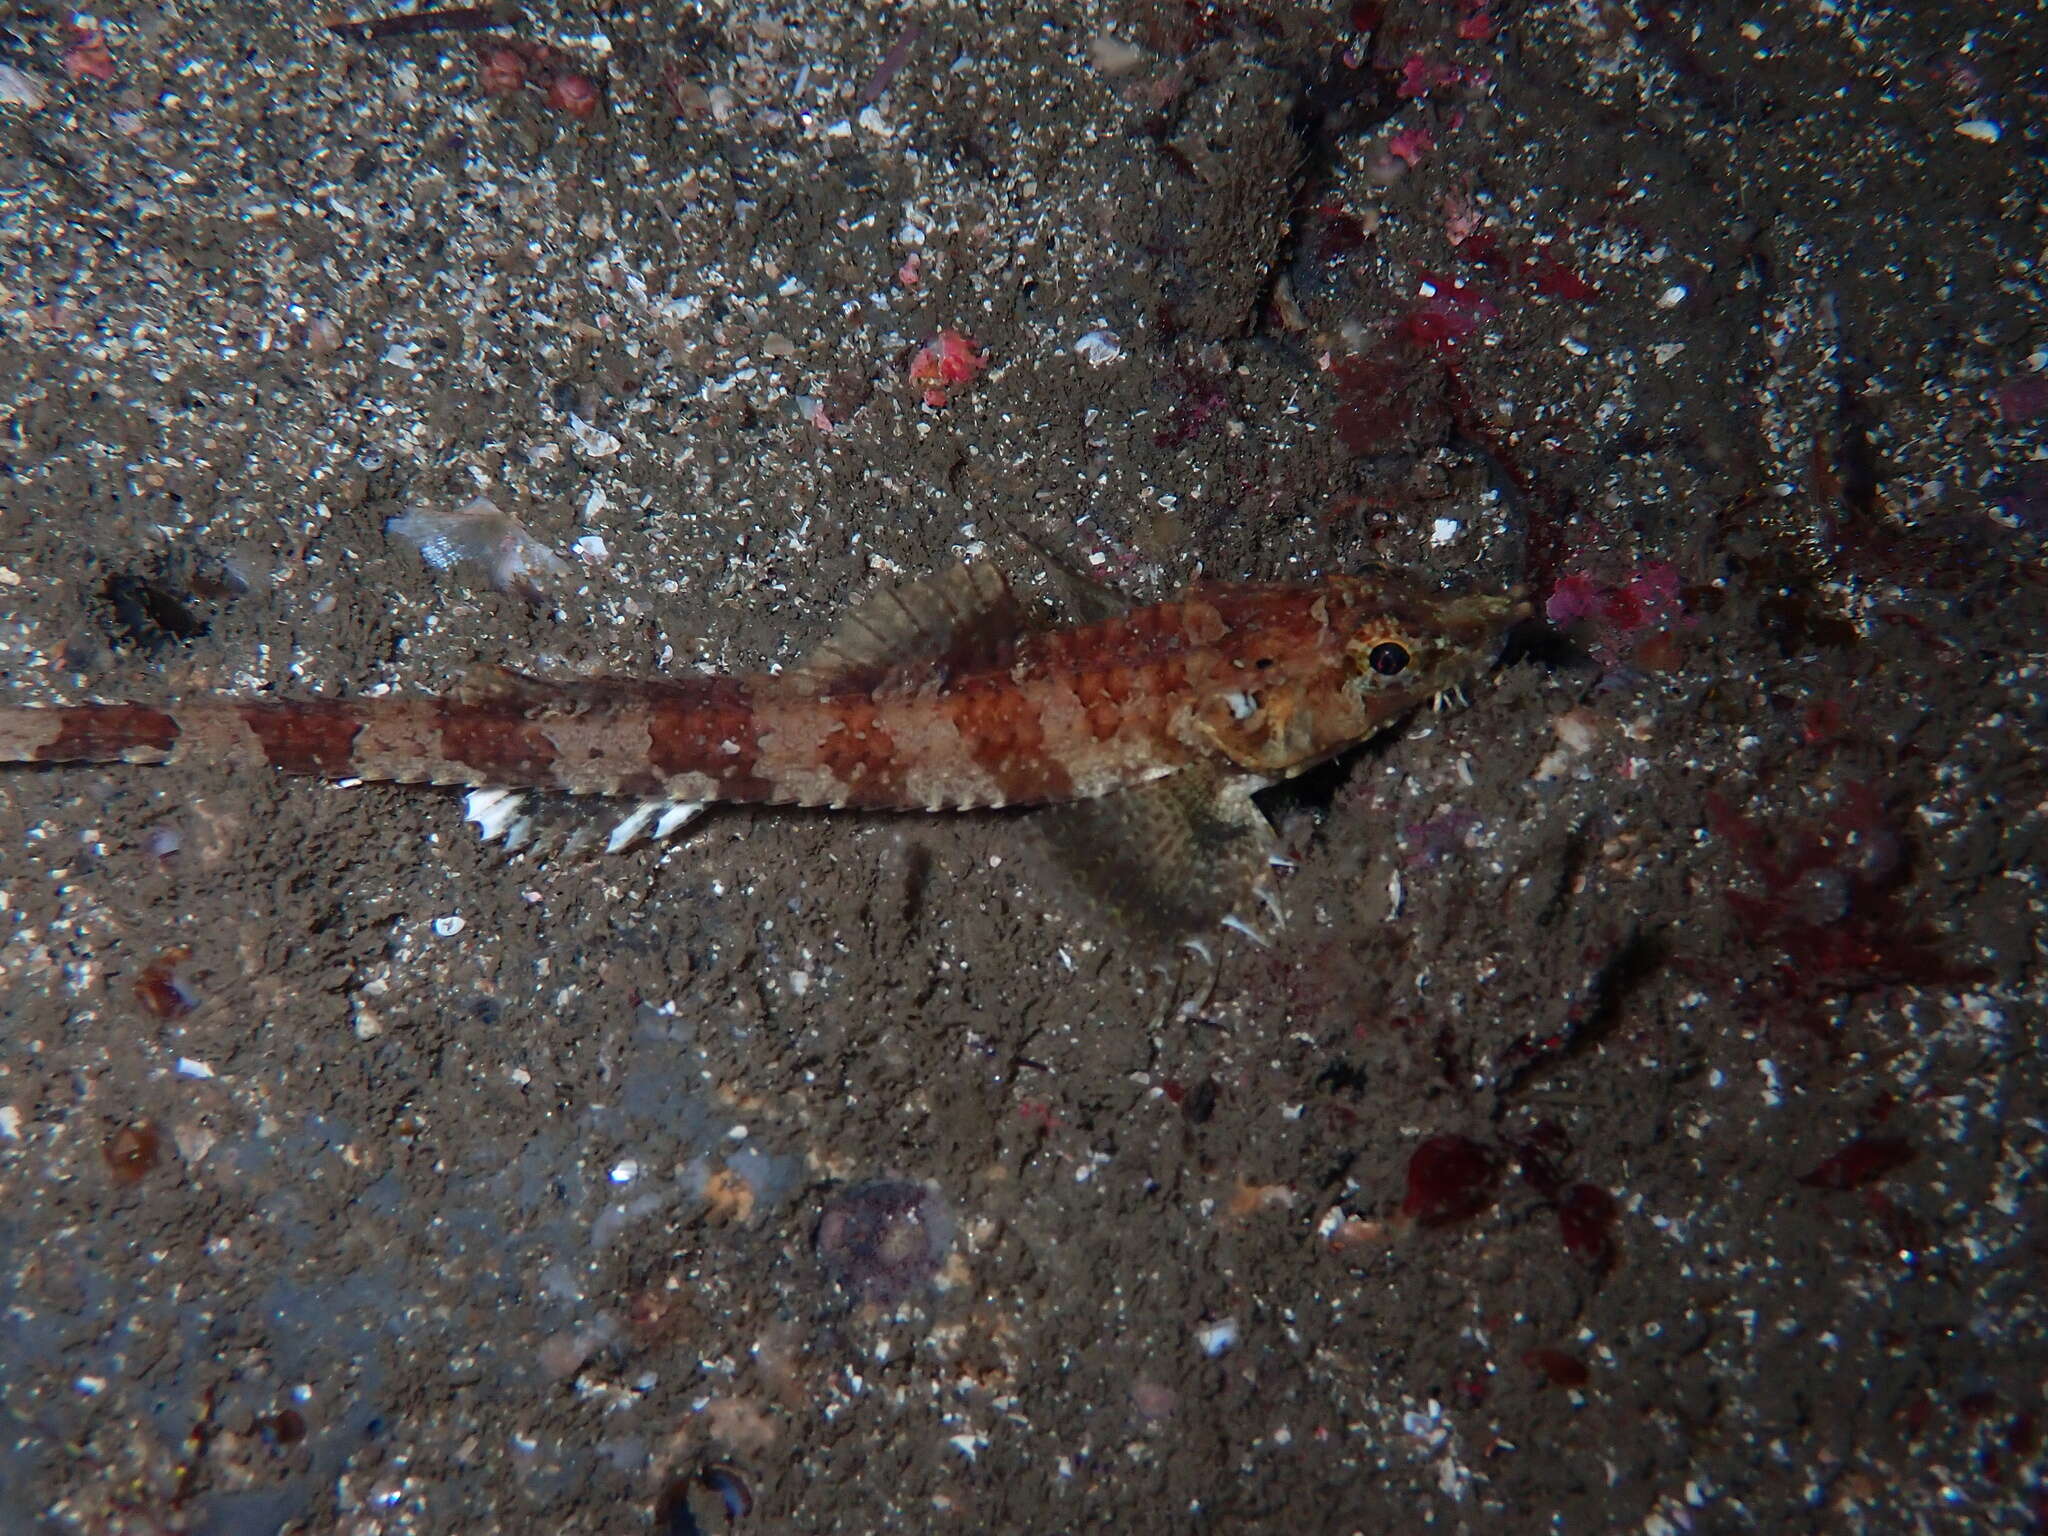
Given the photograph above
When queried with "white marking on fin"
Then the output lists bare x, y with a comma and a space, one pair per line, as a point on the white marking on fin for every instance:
635, 821
1239, 925
680, 814
494, 811
665, 816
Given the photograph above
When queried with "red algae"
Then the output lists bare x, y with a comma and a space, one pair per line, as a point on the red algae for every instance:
1449, 1179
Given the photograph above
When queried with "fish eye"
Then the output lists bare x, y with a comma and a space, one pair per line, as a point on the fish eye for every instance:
1387, 658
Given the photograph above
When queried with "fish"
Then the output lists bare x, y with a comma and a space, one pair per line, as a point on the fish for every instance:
1141, 736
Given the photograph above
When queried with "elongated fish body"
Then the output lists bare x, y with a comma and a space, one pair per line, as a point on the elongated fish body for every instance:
938, 710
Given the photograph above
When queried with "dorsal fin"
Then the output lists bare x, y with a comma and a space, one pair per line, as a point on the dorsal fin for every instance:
489, 683
956, 620
1076, 597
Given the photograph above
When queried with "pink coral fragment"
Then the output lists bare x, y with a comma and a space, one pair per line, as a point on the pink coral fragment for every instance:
947, 362
85, 50
1474, 25
1411, 144
1572, 599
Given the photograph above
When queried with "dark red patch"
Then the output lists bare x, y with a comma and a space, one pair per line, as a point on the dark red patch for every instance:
861, 755
305, 737
1585, 1220
1006, 738
497, 740
1863, 1161
164, 986
1563, 1370
1449, 1178
688, 734
131, 1152
101, 733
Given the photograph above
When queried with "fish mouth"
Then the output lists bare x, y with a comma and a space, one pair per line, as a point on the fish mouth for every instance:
1481, 624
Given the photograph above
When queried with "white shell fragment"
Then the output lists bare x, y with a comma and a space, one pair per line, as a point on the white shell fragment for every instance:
1982, 129
592, 442
1099, 348
1112, 55
483, 532
19, 88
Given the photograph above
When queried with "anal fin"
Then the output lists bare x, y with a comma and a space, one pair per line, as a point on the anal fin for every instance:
1174, 859
560, 827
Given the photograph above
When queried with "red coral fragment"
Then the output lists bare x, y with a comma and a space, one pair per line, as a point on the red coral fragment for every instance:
1863, 1161
1449, 1179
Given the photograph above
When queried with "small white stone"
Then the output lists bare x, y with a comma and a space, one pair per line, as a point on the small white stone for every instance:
450, 925
1672, 297
189, 1067
1981, 129
625, 1172
873, 122
1216, 1338
1444, 530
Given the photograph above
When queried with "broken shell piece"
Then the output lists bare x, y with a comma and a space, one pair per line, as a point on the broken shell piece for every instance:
592, 441
1099, 348
1112, 55
480, 531
19, 88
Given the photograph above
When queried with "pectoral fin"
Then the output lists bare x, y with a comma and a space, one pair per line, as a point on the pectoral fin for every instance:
1174, 859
